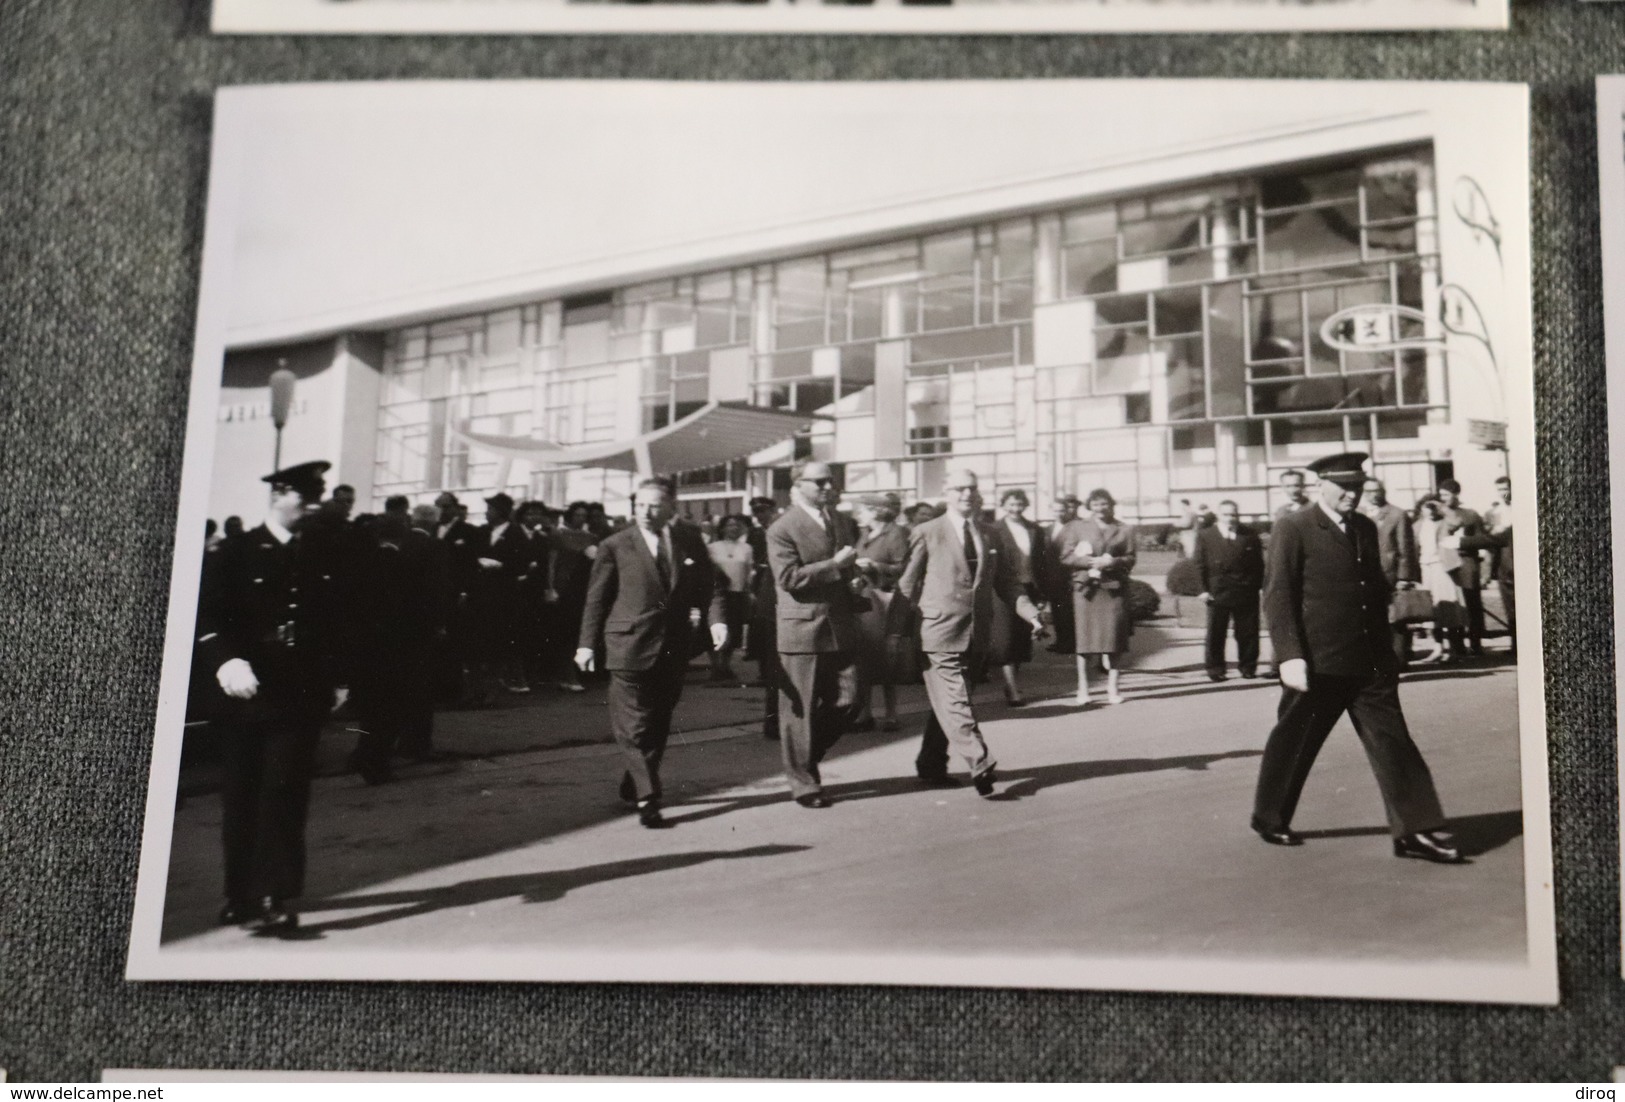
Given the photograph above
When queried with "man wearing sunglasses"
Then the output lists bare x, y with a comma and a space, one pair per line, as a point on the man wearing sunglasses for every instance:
812, 562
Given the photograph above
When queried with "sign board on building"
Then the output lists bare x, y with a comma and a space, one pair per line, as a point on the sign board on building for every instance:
1375, 327
1487, 434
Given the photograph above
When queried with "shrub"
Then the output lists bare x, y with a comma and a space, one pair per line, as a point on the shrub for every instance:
1142, 600
1184, 579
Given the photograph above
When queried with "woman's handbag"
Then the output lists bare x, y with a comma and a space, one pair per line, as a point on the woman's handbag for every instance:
1410, 606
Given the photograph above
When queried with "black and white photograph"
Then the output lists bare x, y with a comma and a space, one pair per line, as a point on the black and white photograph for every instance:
998, 534
848, 16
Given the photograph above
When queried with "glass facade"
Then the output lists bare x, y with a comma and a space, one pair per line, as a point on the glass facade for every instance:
1160, 344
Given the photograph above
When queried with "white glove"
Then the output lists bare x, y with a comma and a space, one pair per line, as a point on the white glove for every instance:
237, 678
584, 659
1295, 674
719, 635
491, 564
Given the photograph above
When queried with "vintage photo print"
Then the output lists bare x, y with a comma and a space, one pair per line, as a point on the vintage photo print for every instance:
1031, 533
846, 16
1611, 172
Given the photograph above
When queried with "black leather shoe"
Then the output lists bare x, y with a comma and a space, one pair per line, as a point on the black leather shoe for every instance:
274, 919
649, 816
1277, 836
937, 780
814, 800
860, 726
984, 782
241, 912
1215, 676
1249, 674
1428, 846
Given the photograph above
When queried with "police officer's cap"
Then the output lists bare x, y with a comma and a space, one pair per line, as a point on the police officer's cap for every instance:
304, 479
1348, 467
501, 502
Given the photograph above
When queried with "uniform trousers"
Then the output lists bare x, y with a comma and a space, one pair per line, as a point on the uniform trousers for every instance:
952, 722
268, 752
641, 703
1303, 722
816, 695
1244, 616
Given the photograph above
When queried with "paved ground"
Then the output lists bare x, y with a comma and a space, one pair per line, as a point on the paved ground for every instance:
1119, 830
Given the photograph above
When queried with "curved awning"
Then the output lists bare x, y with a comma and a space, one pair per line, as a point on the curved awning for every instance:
717, 433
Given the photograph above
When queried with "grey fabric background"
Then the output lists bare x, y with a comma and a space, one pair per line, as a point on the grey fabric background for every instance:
104, 132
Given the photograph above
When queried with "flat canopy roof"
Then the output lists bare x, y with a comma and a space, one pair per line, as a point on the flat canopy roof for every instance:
717, 433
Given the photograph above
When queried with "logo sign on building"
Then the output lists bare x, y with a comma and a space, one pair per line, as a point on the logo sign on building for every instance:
1374, 327
1487, 434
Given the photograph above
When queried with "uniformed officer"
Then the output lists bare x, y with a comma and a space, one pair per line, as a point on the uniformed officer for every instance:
1326, 601
268, 625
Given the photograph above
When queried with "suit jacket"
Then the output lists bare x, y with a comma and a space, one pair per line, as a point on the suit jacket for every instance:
466, 545
638, 617
1463, 563
814, 611
956, 609
1232, 570
1031, 567
1396, 540
1326, 600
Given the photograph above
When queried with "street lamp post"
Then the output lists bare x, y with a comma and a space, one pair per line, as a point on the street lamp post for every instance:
282, 382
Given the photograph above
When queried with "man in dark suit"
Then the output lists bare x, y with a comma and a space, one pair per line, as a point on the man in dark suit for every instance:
652, 586
1230, 561
1057, 579
1327, 603
1463, 531
269, 622
957, 567
1497, 540
817, 628
1396, 543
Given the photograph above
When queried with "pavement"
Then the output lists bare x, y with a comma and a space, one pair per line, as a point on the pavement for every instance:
1117, 831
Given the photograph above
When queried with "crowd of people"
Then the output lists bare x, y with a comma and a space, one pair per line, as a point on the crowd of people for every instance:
836, 602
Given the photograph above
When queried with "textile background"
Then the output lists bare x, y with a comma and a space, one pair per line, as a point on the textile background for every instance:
104, 133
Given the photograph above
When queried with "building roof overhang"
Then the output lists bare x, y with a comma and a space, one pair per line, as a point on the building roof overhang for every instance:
717, 433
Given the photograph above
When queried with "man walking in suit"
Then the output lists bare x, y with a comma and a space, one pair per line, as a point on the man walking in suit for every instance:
1396, 545
817, 628
270, 621
957, 566
1327, 603
1230, 560
652, 585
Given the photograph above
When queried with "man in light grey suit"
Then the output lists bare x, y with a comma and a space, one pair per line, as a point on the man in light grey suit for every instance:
957, 567
1396, 544
813, 564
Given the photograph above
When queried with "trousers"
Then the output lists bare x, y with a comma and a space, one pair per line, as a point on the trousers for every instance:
816, 694
641, 703
1245, 619
1303, 722
952, 722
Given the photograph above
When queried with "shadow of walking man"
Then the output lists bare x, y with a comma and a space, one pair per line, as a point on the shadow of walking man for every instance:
535, 887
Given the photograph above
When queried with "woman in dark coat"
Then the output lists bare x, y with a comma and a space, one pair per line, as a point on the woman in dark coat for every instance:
885, 618
1100, 553
1026, 546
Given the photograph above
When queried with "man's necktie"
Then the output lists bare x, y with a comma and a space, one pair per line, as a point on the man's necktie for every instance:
664, 559
970, 550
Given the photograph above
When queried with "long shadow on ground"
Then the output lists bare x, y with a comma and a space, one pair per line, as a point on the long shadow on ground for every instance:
536, 887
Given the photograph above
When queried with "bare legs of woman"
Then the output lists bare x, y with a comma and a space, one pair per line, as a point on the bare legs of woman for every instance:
1012, 689
1110, 665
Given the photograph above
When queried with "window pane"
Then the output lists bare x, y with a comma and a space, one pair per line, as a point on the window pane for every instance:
1091, 269
1120, 342
1277, 326
1390, 191
857, 367
948, 303
989, 345
1121, 309
1179, 311
1413, 377
949, 253
1225, 351
1187, 397
1312, 238
1090, 222
815, 395
1161, 235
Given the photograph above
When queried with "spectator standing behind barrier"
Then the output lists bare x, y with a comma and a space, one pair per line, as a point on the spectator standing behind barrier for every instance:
569, 567
1463, 529
1292, 484
1057, 579
1013, 636
1497, 540
1230, 561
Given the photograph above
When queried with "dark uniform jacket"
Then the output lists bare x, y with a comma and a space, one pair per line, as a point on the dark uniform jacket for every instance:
279, 607
639, 618
1232, 570
814, 611
1326, 600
